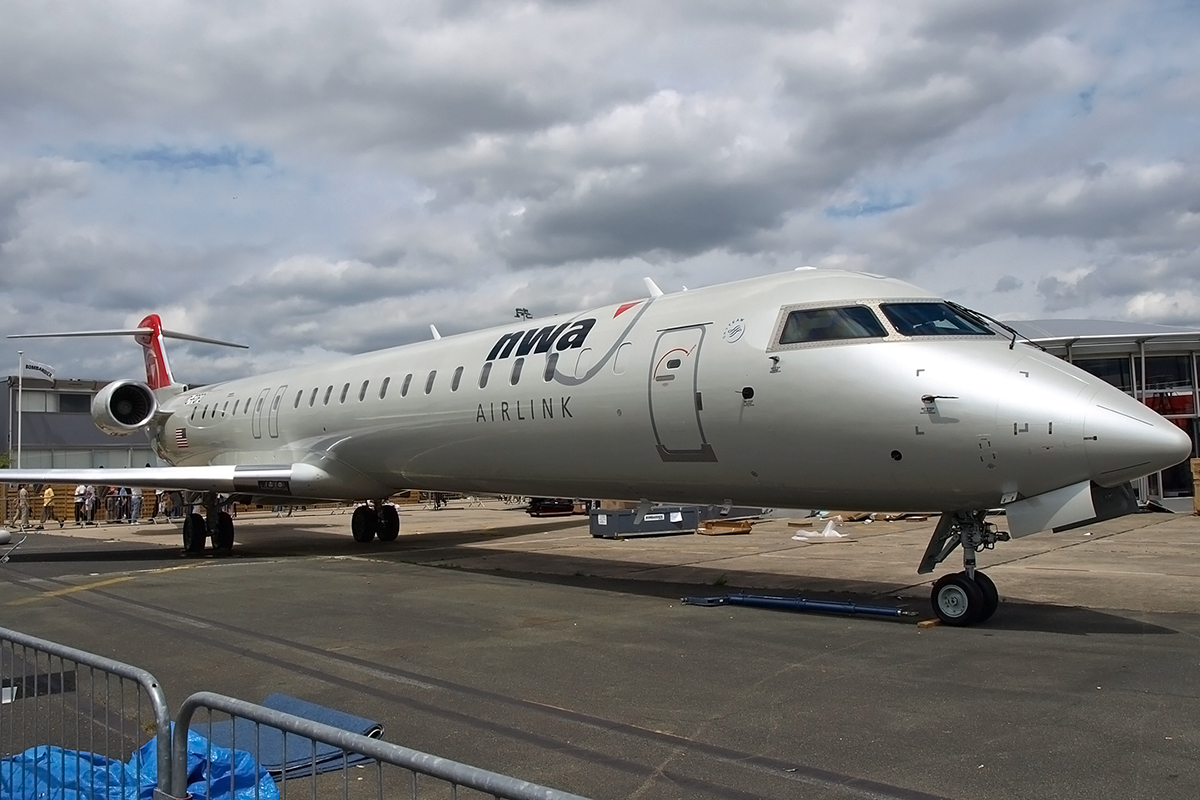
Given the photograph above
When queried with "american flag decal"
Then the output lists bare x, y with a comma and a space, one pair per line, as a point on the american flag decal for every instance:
181, 437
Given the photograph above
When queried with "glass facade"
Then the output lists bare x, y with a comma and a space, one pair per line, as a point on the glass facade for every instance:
1167, 384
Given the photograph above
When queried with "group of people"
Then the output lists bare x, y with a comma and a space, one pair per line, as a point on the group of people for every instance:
121, 504
48, 512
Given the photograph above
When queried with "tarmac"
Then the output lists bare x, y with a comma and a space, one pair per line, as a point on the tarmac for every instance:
528, 647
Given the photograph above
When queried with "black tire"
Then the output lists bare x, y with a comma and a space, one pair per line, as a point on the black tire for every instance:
957, 600
991, 596
194, 534
224, 537
363, 524
389, 524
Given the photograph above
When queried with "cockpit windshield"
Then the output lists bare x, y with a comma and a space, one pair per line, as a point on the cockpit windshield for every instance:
932, 319
829, 324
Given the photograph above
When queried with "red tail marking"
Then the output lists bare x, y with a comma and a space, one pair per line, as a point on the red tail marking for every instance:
158, 371
625, 307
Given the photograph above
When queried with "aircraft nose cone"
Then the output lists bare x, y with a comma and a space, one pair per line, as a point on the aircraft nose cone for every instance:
1125, 440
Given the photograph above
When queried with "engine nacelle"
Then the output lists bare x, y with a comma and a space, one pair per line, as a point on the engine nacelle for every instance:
123, 407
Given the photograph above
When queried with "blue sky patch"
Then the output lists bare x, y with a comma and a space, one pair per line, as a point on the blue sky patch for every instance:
178, 159
870, 206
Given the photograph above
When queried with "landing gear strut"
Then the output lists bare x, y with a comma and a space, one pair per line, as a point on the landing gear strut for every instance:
967, 597
375, 519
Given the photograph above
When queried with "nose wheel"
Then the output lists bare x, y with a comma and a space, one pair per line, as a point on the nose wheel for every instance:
959, 600
970, 596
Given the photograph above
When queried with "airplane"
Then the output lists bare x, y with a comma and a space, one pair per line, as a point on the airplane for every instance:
814, 388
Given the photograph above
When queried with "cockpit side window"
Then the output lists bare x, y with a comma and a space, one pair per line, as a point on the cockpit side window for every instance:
831, 324
932, 319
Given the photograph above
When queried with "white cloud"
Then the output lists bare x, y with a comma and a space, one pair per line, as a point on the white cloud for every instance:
314, 177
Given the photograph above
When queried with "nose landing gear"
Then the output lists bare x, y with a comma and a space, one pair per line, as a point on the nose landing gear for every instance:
970, 596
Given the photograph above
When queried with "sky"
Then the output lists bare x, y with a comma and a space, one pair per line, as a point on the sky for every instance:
316, 179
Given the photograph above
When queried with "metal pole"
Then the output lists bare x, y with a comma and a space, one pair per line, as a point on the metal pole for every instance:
20, 399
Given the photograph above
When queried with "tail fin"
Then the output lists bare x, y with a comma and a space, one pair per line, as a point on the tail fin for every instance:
158, 369
149, 334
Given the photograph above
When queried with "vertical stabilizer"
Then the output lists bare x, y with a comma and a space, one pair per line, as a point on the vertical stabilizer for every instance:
158, 369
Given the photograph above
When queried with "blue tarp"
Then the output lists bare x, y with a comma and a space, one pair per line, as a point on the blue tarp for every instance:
270, 744
51, 773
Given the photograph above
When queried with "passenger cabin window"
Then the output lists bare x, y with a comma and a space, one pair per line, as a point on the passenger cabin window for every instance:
831, 324
312, 398
345, 391
551, 365
516, 373
328, 393
299, 395
383, 387
224, 408
429, 381
456, 380
404, 386
485, 372
932, 319
362, 392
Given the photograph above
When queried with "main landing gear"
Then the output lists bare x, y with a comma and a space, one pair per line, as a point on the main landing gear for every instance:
378, 518
215, 524
967, 597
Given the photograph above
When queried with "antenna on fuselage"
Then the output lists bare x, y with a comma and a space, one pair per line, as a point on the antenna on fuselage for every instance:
434, 331
653, 287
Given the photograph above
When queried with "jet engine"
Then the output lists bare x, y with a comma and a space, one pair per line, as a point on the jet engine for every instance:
123, 407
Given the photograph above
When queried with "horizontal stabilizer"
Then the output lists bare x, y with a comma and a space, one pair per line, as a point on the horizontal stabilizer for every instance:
128, 332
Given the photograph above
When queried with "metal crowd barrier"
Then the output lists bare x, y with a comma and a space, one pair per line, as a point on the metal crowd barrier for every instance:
419, 775
69, 704
79, 702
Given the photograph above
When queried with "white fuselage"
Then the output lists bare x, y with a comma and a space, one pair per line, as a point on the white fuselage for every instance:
688, 397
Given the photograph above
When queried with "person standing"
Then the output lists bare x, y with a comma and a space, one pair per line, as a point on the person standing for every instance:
89, 504
22, 506
79, 504
135, 505
48, 508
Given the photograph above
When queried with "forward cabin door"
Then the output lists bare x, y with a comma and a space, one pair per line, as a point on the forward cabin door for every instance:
676, 405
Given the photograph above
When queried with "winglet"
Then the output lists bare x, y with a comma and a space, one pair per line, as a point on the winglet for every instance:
652, 287
434, 331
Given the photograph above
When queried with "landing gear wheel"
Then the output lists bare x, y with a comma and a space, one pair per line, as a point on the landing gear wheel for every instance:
957, 600
364, 524
194, 534
991, 597
223, 542
389, 523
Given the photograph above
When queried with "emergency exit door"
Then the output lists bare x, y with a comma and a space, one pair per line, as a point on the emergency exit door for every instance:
676, 404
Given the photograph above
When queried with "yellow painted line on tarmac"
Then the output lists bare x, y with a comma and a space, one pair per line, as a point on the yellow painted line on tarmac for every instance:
85, 587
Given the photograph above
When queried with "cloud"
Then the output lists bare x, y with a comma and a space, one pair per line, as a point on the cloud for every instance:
320, 178
1172, 308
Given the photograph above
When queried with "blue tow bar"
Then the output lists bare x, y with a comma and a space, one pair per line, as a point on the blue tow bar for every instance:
799, 604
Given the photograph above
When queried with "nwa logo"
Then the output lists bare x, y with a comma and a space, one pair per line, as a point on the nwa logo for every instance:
568, 336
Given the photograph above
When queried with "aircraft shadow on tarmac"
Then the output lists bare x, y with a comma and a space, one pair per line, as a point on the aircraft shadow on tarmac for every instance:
706, 581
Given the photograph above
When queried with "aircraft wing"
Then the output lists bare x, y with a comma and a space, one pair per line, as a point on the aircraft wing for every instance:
284, 480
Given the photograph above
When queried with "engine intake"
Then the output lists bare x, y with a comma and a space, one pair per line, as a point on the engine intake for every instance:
123, 407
